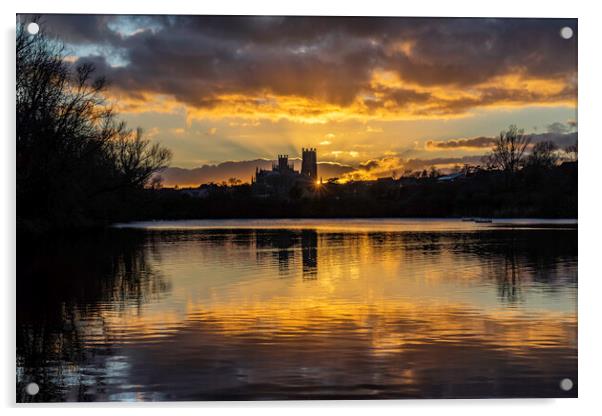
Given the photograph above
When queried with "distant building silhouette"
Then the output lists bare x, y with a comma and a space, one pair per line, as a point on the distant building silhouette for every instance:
283, 176
309, 253
283, 166
309, 164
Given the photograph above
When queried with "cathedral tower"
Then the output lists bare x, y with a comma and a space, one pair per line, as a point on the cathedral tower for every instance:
309, 164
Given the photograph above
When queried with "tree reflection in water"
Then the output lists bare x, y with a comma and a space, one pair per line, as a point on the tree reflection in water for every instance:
64, 284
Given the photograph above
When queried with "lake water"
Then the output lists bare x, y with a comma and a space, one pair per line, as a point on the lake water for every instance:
296, 309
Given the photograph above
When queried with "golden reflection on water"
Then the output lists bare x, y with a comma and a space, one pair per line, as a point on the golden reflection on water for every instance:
319, 313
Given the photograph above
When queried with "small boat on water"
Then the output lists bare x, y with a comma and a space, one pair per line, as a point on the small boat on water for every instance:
483, 220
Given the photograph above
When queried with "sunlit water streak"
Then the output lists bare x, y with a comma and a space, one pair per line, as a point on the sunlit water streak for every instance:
300, 309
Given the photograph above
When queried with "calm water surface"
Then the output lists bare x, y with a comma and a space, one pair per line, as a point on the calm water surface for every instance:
200, 310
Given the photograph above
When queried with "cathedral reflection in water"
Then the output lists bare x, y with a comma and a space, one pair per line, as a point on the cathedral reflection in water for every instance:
285, 245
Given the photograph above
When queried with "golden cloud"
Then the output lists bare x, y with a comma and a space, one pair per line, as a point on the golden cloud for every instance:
395, 166
388, 98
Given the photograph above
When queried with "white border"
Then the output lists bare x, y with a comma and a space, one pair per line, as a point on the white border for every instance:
590, 276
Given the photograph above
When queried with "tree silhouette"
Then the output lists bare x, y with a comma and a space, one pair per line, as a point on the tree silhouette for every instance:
75, 160
509, 150
543, 155
571, 151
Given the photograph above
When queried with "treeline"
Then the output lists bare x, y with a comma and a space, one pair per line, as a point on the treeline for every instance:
77, 164
549, 192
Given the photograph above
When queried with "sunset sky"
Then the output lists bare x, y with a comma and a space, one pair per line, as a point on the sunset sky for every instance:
373, 95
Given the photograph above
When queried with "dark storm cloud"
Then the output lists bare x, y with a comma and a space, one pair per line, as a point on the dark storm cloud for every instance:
474, 143
561, 128
467, 51
197, 59
560, 138
85, 29
76, 29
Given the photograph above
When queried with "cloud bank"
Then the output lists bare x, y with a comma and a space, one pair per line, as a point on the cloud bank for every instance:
558, 133
315, 69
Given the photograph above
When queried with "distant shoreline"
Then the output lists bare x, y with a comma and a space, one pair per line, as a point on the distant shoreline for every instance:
498, 222
353, 224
